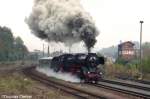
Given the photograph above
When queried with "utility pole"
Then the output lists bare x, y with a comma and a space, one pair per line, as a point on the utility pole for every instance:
141, 22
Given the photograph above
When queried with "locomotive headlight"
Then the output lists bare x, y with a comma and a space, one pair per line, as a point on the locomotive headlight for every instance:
88, 72
100, 73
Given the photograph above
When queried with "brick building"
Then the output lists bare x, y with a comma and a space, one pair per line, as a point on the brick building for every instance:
126, 51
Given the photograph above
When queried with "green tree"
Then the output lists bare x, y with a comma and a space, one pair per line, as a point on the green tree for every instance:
146, 49
19, 48
11, 48
6, 43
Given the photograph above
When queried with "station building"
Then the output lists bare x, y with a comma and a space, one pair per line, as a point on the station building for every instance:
126, 50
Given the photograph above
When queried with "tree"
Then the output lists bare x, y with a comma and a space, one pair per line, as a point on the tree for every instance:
11, 48
146, 49
6, 43
19, 48
145, 65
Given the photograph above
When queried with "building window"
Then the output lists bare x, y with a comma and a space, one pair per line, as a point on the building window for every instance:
128, 52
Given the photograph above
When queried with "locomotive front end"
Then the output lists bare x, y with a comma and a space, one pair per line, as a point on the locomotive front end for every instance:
91, 71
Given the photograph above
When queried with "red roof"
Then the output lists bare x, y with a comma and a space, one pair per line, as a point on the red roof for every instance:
126, 42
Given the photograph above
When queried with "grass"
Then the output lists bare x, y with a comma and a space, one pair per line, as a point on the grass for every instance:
18, 84
14, 84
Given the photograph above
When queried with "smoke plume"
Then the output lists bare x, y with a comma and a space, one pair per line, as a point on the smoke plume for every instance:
62, 21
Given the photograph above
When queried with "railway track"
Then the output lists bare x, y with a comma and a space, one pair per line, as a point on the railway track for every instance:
135, 80
135, 89
132, 84
143, 81
81, 94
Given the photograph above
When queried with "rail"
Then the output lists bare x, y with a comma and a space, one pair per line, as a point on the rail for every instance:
81, 94
127, 88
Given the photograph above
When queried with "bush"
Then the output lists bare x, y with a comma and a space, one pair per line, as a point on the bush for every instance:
123, 69
121, 61
145, 65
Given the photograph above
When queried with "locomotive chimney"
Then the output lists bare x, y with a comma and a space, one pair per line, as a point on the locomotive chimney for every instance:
89, 50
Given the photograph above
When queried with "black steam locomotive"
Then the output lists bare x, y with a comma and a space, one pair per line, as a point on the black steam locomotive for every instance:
85, 66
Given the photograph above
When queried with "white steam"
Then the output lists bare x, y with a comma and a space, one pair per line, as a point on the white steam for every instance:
59, 75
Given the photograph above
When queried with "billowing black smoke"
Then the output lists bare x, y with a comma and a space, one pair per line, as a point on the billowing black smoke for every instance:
62, 21
86, 30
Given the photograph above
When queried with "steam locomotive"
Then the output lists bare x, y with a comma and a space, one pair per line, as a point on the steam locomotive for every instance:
84, 66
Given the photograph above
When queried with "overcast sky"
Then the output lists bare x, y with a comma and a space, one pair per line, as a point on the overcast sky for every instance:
116, 19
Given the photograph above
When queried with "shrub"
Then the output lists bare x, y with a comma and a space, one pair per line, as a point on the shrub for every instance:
122, 69
121, 61
145, 65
